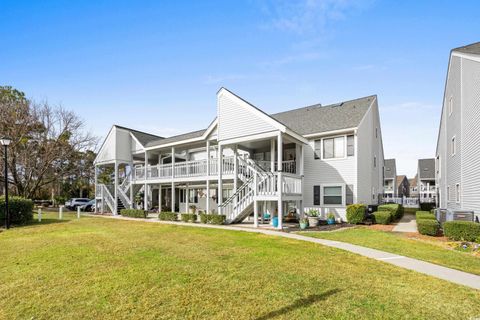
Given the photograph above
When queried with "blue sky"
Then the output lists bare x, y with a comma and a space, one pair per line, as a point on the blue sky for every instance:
156, 65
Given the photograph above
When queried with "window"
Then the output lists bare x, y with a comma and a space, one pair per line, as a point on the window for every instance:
350, 145
334, 148
457, 193
316, 195
376, 132
453, 146
450, 106
318, 149
332, 195
448, 193
374, 161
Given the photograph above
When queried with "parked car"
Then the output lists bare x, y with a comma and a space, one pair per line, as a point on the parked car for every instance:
73, 203
89, 206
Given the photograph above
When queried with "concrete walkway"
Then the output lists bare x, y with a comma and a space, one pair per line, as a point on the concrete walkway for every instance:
406, 224
452, 275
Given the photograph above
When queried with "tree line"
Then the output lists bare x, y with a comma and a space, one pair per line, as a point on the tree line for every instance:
51, 154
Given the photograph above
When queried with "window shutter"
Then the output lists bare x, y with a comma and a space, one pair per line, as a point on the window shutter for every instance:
316, 195
349, 194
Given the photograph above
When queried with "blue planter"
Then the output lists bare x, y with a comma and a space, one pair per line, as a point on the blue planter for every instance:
331, 221
275, 222
303, 226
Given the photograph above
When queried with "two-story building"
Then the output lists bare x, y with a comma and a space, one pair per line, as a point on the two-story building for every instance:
458, 144
248, 162
390, 179
427, 191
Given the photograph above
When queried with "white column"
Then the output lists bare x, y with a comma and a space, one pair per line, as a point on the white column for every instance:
208, 178
279, 181
115, 191
302, 174
145, 186
159, 198
255, 204
220, 169
96, 182
272, 155
235, 169
173, 183
187, 201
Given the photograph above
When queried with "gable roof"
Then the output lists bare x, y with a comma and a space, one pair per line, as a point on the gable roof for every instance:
141, 136
318, 118
400, 179
177, 138
426, 169
473, 48
413, 181
390, 168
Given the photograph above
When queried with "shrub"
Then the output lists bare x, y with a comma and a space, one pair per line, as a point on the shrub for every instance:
203, 217
20, 210
428, 227
167, 216
133, 213
425, 215
188, 217
462, 230
382, 217
396, 210
216, 218
356, 213
427, 206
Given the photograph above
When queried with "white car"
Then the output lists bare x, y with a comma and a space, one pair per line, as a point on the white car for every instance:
73, 203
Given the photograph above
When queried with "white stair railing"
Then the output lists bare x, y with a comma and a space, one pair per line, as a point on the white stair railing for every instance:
107, 197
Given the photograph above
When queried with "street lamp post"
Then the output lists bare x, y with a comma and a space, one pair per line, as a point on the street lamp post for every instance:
5, 141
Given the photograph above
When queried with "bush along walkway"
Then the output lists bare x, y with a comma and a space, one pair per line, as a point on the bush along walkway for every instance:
406, 224
455, 276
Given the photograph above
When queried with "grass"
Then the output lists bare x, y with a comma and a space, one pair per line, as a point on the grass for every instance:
96, 268
431, 251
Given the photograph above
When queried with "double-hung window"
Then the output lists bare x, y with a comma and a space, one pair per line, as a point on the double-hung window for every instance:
334, 148
332, 195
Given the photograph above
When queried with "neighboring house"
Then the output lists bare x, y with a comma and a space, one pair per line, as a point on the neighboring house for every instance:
390, 179
427, 191
248, 162
458, 145
403, 187
413, 187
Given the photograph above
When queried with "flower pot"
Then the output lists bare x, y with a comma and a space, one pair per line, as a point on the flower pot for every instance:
303, 226
313, 221
331, 220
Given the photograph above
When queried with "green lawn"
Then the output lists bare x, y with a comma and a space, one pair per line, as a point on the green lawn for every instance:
400, 244
96, 268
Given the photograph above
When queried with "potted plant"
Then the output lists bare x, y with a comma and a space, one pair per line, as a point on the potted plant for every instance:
303, 223
312, 216
192, 208
331, 218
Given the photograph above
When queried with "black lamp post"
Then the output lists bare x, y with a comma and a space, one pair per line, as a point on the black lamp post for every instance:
5, 141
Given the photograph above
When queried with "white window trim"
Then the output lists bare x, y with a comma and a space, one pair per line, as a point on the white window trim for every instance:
457, 193
453, 146
450, 106
322, 194
345, 156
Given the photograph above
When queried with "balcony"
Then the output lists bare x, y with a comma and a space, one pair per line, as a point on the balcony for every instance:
287, 166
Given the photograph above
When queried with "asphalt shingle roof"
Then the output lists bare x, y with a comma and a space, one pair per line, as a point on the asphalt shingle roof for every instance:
473, 48
180, 137
318, 118
390, 168
426, 169
143, 137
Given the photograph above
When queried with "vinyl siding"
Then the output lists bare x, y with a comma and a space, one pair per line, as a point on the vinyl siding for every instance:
453, 129
237, 119
470, 187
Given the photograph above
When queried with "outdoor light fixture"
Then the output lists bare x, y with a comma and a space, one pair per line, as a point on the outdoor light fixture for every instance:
5, 141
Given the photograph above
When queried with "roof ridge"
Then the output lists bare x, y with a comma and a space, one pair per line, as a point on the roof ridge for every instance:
130, 129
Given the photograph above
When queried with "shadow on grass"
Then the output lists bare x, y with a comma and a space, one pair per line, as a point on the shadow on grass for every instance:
300, 303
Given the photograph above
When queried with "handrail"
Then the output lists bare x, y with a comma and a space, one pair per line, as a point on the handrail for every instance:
107, 197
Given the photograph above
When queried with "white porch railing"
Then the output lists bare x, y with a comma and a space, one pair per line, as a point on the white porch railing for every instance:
291, 184
106, 196
289, 166
406, 202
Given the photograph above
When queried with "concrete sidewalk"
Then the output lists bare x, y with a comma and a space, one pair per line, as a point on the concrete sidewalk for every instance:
452, 275
406, 224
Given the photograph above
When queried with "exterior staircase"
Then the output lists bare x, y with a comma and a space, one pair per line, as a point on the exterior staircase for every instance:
256, 181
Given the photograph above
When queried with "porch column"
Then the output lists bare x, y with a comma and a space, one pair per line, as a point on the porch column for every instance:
272, 155
187, 201
279, 181
96, 181
173, 183
159, 198
145, 186
102, 204
208, 178
130, 188
255, 203
115, 191
220, 169
235, 168
302, 174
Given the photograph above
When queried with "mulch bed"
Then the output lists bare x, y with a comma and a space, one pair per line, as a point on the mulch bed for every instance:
326, 227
